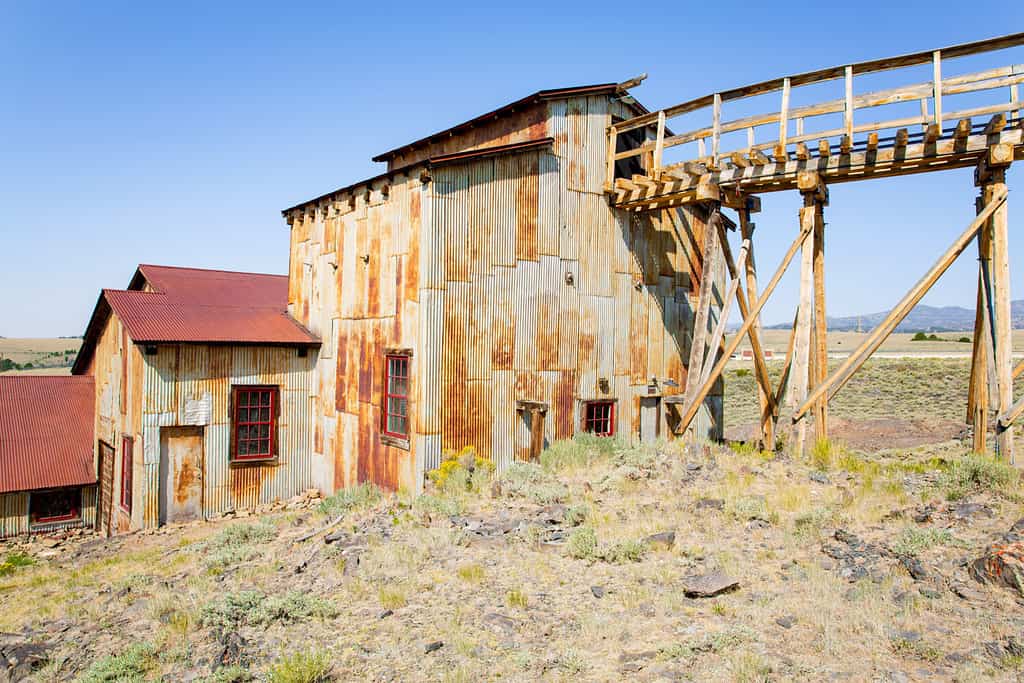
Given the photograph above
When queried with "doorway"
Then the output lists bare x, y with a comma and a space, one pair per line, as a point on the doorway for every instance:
181, 474
649, 417
104, 506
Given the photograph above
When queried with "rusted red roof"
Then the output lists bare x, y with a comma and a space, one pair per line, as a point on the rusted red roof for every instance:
170, 304
46, 432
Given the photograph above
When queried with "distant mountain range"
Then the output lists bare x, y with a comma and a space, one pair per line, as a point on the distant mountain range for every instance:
921, 319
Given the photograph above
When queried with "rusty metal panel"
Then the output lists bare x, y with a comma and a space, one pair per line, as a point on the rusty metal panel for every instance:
347, 268
452, 217
504, 214
454, 365
562, 414
478, 416
568, 316
549, 286
482, 210
577, 140
13, 514
622, 344
503, 413
434, 250
596, 147
549, 205
558, 127
432, 330
605, 341
503, 320
524, 304
478, 339
655, 334
527, 169
586, 365
569, 237
597, 262
638, 333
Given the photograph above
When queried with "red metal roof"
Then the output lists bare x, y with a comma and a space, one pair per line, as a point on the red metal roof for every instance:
46, 432
199, 306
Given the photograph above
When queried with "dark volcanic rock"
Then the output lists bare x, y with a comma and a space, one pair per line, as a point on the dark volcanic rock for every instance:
708, 585
1001, 565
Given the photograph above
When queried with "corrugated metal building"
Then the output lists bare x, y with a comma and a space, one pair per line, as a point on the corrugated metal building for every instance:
483, 292
204, 396
47, 480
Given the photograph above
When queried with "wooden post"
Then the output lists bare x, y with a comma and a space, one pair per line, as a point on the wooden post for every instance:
994, 184
767, 416
820, 322
799, 375
978, 389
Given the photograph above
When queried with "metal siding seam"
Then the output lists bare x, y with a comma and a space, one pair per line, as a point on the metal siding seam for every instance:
569, 316
525, 314
548, 205
597, 142
503, 417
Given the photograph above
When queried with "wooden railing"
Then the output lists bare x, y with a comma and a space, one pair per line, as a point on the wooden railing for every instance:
930, 95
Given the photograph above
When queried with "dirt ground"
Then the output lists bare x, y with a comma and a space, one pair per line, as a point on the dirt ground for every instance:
601, 563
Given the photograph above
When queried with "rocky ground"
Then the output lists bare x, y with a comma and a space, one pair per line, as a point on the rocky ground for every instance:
599, 563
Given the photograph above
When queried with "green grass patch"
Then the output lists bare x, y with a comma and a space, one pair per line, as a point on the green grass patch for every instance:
313, 666
360, 497
128, 666
15, 561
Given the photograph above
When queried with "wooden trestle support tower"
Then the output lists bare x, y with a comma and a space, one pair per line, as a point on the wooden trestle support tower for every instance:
987, 137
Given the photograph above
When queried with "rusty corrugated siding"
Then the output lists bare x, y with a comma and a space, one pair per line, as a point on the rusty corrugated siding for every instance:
180, 374
14, 514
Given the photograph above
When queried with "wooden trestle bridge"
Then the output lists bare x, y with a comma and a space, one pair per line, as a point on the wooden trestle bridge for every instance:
806, 150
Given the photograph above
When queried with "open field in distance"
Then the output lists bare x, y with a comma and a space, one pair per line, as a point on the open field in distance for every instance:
46, 355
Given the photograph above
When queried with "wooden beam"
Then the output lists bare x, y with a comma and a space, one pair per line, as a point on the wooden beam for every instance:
659, 145
1006, 419
823, 148
931, 133
749, 319
802, 153
937, 87
723, 316
963, 129
843, 373
996, 124
698, 344
902, 136
800, 373
764, 390
758, 157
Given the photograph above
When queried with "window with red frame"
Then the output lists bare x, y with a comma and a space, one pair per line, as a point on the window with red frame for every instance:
126, 474
254, 422
599, 418
58, 505
396, 396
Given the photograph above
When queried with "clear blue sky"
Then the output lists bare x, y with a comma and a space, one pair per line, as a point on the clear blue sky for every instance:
175, 133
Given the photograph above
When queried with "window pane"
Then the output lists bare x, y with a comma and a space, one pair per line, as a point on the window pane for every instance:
264, 415
243, 398
264, 431
264, 398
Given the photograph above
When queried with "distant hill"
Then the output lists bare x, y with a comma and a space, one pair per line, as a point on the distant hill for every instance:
921, 319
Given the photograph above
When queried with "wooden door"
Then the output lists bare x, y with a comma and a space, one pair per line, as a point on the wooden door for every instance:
181, 474
105, 504
649, 418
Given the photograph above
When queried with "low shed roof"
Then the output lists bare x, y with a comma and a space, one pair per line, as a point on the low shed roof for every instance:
46, 432
199, 306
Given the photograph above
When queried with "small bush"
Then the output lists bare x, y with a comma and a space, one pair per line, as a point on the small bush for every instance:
576, 515
255, 608
360, 497
518, 599
976, 472
624, 551
824, 454
230, 674
582, 544
15, 561
912, 540
302, 667
581, 451
437, 505
129, 666
462, 471
530, 481
391, 598
236, 544
472, 573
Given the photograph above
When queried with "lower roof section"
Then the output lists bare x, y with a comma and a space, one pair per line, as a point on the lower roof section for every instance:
46, 432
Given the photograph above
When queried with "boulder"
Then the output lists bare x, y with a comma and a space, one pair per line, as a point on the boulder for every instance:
708, 585
1001, 565
663, 540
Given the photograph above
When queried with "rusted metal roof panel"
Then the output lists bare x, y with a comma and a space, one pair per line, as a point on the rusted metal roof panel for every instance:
46, 432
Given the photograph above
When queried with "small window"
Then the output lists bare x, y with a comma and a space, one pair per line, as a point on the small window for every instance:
599, 418
396, 399
126, 474
254, 422
59, 505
